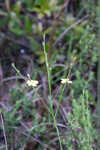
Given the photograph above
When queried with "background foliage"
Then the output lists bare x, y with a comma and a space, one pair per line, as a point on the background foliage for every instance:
74, 54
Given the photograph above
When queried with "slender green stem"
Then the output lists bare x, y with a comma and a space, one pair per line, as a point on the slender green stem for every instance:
50, 92
61, 93
57, 130
18, 72
60, 98
47, 65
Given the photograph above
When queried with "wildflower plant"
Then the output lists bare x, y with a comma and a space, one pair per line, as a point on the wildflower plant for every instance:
32, 106
80, 123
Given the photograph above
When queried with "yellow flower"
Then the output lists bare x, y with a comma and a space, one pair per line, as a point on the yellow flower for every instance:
32, 83
66, 80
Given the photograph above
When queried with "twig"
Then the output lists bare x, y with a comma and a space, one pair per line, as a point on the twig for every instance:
13, 78
69, 28
4, 130
48, 124
40, 125
63, 6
